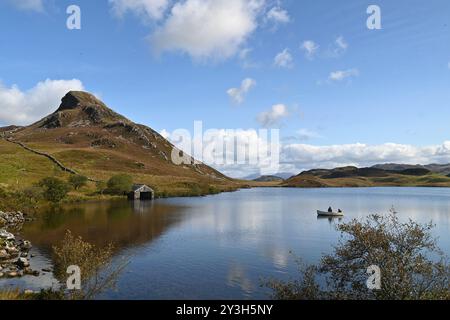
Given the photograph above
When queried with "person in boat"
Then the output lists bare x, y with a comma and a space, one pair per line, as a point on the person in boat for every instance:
330, 209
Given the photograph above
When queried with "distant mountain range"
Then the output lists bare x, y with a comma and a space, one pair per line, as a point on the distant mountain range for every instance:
379, 175
280, 175
437, 168
268, 179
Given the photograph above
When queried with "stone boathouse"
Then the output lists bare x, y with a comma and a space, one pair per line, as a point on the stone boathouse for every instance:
141, 192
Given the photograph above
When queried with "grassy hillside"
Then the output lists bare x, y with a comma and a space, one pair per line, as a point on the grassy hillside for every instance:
88, 137
367, 177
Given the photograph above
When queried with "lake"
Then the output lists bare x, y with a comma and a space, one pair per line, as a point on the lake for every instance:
223, 246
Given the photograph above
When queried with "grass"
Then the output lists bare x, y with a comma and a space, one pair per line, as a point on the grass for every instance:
12, 295
20, 169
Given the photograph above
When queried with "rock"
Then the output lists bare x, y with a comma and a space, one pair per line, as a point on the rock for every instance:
26, 245
28, 292
22, 263
46, 270
6, 235
13, 251
30, 271
4, 255
2, 274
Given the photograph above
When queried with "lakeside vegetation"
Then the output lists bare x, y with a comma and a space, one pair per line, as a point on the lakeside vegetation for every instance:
411, 265
98, 273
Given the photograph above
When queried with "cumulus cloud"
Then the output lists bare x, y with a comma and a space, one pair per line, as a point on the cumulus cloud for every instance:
343, 74
256, 152
305, 157
236, 153
278, 15
28, 5
310, 48
24, 107
146, 9
238, 94
273, 117
207, 29
284, 59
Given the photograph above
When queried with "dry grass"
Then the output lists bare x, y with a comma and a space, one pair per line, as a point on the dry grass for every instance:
11, 295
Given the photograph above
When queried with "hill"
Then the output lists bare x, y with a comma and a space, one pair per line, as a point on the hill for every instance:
413, 176
268, 179
91, 139
436, 168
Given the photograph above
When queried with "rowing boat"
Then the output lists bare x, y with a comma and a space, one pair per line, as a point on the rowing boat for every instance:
329, 214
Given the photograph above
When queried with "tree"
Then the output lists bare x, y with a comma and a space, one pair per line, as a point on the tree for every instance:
97, 271
412, 266
77, 181
55, 189
120, 184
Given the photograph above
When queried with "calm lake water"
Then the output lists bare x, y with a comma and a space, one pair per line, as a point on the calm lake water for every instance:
223, 246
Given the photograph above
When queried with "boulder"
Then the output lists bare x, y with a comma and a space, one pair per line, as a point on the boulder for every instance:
22, 263
26, 245
6, 235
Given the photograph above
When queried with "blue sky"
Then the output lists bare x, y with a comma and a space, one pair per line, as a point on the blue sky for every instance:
146, 60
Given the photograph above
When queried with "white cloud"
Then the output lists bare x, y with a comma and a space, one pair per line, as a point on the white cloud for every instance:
341, 43
305, 157
448, 65
273, 116
207, 29
278, 15
338, 48
146, 9
28, 5
246, 152
297, 157
343, 74
284, 59
310, 48
24, 107
306, 134
238, 94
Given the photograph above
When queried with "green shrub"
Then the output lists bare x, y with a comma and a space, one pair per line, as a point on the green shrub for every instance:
120, 184
77, 181
54, 189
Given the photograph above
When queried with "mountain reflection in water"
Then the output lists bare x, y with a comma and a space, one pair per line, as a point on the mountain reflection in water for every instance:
122, 223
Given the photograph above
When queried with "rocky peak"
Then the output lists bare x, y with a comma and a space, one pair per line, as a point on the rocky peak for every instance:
80, 109
76, 99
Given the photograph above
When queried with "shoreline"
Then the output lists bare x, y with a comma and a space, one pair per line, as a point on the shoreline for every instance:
15, 253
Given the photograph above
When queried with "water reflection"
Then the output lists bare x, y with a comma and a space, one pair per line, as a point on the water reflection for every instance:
220, 247
123, 223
